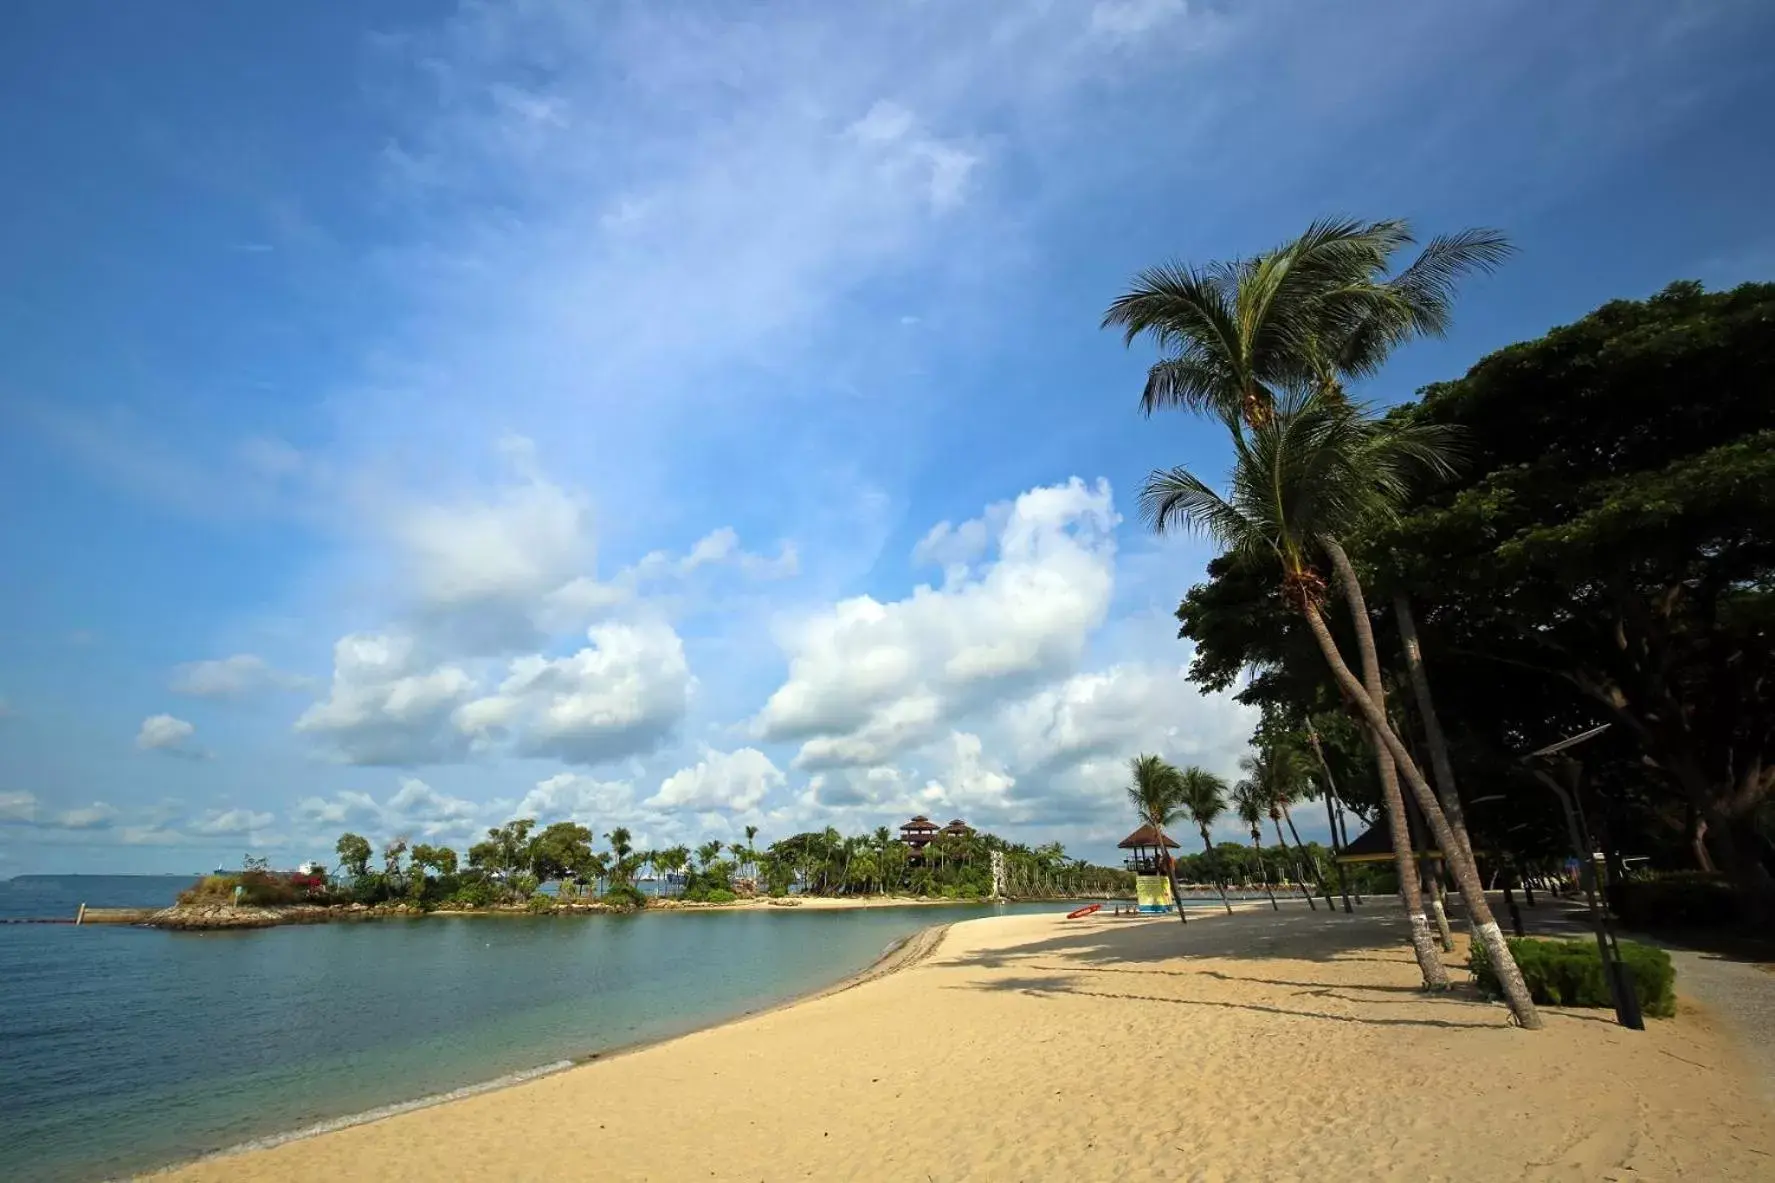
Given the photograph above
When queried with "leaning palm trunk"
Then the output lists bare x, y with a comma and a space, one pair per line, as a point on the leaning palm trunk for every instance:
1485, 927
1312, 863
1440, 765
1343, 876
1219, 881
1264, 870
1300, 880
1398, 827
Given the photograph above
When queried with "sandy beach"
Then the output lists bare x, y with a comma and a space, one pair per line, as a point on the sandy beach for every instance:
1261, 1046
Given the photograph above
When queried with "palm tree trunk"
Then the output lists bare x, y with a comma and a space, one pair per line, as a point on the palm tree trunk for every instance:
1218, 881
1433, 737
1171, 874
1262, 869
1308, 859
1343, 876
1299, 880
1398, 827
1466, 875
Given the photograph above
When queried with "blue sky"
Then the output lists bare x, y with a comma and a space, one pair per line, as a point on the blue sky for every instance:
688, 416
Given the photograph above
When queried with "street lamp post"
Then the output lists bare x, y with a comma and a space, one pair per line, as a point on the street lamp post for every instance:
1614, 970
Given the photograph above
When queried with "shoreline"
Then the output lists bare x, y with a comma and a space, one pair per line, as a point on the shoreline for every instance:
1057, 1020
899, 955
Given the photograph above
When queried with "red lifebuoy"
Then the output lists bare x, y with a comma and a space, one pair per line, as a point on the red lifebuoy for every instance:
1084, 911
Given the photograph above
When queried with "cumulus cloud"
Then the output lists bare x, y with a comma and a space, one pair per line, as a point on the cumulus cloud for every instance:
385, 707
238, 676
414, 810
164, 733
720, 780
868, 678
618, 697
479, 567
569, 796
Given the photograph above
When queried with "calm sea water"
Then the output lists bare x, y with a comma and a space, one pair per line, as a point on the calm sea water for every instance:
123, 1048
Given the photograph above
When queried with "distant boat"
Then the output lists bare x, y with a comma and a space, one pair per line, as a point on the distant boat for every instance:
220, 871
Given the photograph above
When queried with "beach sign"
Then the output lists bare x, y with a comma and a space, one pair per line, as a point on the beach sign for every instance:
1152, 893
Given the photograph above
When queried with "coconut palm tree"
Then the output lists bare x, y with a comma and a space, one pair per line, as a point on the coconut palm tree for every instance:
1306, 315
1250, 803
1156, 794
1275, 773
1204, 799
1302, 480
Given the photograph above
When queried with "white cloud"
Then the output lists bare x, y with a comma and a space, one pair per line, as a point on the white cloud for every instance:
233, 677
720, 780
419, 802
343, 808
164, 733
532, 537
97, 816
385, 707
1126, 19
618, 697
231, 822
867, 679
18, 808
569, 796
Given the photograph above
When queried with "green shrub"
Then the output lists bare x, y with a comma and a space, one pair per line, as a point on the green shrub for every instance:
540, 905
1674, 900
1569, 973
709, 895
473, 893
624, 896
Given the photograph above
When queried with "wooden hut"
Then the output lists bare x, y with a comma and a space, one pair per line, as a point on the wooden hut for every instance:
1149, 845
1375, 845
1151, 864
919, 832
958, 828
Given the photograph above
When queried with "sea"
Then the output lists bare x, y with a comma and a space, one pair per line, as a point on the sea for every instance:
123, 1049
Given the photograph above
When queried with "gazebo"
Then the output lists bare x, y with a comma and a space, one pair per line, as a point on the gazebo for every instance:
958, 828
1148, 843
919, 832
1151, 864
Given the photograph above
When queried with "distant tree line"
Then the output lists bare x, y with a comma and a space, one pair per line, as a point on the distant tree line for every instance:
519, 864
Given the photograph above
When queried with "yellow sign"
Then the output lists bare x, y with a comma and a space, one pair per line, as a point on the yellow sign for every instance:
1152, 893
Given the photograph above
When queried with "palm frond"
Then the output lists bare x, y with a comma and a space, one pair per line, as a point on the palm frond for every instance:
1177, 497
1427, 287
1193, 383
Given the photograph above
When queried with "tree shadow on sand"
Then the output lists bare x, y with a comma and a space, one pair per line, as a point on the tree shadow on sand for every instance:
1073, 965
1053, 988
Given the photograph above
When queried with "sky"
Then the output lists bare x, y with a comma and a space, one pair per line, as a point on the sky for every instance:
689, 416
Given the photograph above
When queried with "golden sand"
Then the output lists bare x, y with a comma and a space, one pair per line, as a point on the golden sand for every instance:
1263, 1046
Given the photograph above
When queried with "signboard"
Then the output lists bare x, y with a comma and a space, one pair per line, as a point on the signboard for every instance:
1152, 893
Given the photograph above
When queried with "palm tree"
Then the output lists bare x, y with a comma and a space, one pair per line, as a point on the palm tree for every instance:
1308, 475
1156, 794
1304, 316
751, 852
1204, 798
1275, 773
1250, 803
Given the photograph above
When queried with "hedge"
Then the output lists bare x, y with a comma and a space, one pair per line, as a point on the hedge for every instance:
1678, 899
1569, 973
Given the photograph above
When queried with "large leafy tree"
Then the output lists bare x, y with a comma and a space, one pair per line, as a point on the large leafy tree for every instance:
1611, 546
